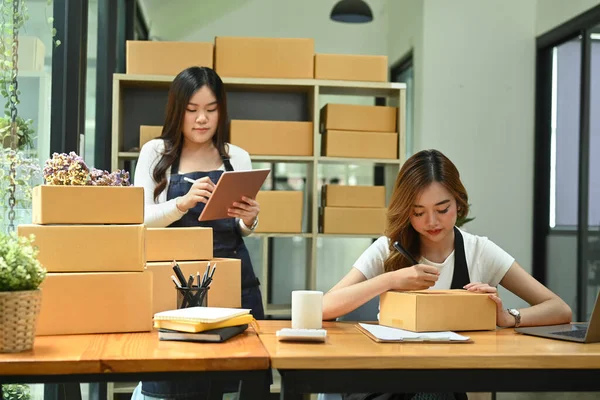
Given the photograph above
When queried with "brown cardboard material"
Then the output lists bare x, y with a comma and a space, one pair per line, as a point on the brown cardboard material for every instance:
87, 205
437, 310
255, 57
225, 289
354, 144
181, 244
280, 211
353, 196
348, 67
88, 248
78, 303
167, 58
353, 117
276, 138
149, 132
353, 220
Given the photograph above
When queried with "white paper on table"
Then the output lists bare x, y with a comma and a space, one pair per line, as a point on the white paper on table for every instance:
387, 333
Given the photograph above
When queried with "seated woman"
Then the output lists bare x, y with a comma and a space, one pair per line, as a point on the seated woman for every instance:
427, 200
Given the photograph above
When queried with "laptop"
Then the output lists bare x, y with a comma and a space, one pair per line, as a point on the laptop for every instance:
582, 333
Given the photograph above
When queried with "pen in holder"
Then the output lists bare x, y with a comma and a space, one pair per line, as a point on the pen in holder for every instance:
192, 296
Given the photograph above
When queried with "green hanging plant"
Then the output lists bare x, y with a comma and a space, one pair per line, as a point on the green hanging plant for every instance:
16, 133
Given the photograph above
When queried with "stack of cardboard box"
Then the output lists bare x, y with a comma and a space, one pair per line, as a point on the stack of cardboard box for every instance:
254, 57
353, 209
358, 131
192, 248
91, 241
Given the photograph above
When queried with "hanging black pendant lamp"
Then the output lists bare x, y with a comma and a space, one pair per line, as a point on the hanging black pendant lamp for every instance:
352, 11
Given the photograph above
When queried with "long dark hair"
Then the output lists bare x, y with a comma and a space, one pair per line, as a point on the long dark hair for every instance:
418, 172
183, 87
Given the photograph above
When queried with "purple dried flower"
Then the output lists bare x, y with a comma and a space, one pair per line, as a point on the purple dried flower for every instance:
65, 169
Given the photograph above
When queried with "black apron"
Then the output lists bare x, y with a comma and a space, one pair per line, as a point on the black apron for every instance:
460, 278
227, 243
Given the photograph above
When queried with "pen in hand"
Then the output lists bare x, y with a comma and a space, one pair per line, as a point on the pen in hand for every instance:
405, 253
190, 180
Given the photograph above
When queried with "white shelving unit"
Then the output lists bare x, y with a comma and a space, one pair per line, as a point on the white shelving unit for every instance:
395, 93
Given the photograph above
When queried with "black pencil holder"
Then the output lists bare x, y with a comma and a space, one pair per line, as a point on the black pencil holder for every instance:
192, 297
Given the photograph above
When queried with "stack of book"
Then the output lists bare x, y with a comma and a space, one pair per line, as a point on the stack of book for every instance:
202, 324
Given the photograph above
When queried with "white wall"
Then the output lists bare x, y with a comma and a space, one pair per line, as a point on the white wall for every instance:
405, 34
552, 13
474, 95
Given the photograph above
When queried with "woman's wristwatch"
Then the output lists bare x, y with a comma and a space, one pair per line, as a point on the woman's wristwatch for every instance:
254, 224
515, 313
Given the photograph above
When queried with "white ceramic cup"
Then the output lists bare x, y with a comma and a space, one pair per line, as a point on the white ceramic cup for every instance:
307, 309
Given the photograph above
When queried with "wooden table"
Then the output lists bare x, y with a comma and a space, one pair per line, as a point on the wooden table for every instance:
498, 361
139, 356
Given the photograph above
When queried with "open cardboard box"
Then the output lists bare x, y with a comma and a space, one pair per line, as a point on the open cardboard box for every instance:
437, 310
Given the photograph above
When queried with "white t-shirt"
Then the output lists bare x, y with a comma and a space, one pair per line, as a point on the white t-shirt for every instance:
486, 261
162, 212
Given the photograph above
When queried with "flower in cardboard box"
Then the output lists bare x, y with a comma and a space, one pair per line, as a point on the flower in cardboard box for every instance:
65, 169
100, 177
70, 169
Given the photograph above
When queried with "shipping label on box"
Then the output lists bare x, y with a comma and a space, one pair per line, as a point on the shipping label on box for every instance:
225, 289
353, 220
276, 138
167, 58
349, 67
254, 57
180, 244
355, 144
54, 204
353, 196
88, 248
280, 211
437, 310
353, 117
78, 303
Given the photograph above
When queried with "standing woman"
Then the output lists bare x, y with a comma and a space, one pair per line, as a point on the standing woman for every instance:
193, 146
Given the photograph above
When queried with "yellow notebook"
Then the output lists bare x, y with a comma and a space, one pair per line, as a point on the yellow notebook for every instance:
200, 314
194, 327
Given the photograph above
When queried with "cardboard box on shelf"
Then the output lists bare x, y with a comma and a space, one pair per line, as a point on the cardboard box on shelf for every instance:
437, 310
349, 67
54, 204
276, 138
353, 196
353, 117
88, 248
149, 132
356, 144
256, 57
280, 211
225, 289
167, 58
353, 220
78, 303
181, 244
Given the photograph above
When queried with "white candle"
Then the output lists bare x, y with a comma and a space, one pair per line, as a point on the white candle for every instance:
307, 309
